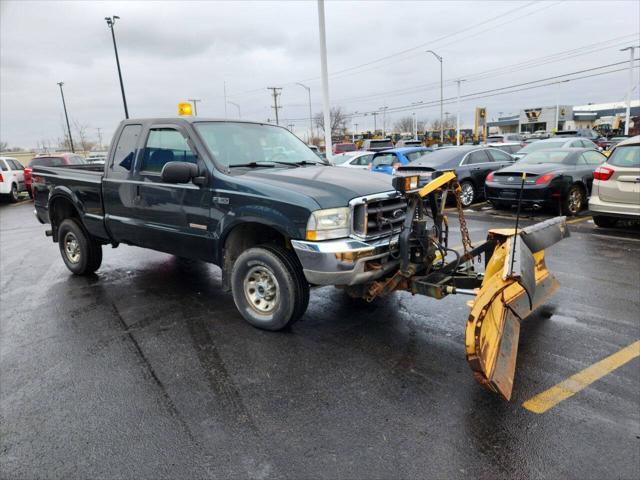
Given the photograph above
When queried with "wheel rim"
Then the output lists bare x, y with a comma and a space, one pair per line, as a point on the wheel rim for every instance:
574, 202
261, 289
14, 192
71, 247
466, 195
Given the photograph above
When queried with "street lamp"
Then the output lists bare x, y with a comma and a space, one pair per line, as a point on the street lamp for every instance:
326, 108
308, 89
111, 22
441, 97
628, 112
64, 105
459, 81
195, 105
237, 106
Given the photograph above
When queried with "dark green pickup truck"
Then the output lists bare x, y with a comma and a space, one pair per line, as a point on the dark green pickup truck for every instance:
249, 197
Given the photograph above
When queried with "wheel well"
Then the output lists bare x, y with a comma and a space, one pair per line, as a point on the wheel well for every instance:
60, 209
243, 237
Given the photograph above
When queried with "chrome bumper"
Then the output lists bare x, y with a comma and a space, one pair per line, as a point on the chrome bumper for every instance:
343, 261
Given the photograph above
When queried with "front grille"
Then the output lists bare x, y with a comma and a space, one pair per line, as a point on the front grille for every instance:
378, 217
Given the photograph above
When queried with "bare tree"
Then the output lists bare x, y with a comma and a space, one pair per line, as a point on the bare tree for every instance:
3, 146
448, 124
81, 134
404, 124
338, 121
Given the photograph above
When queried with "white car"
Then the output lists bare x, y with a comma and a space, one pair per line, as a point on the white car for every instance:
11, 178
616, 185
555, 142
361, 160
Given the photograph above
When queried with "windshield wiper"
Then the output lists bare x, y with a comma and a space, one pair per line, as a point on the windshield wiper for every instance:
306, 162
263, 163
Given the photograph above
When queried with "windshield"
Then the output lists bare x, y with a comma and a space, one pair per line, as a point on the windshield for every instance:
342, 158
546, 156
625, 156
242, 143
541, 145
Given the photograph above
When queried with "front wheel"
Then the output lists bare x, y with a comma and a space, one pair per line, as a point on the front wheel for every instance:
80, 253
13, 195
269, 287
467, 193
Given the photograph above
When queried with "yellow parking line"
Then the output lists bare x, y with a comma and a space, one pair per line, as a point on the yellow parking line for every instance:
572, 385
581, 219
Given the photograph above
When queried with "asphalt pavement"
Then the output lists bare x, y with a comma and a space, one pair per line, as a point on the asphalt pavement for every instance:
146, 370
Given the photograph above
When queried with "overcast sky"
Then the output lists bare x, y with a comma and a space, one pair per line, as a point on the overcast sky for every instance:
172, 51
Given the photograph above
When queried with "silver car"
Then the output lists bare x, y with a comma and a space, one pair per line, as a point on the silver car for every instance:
616, 185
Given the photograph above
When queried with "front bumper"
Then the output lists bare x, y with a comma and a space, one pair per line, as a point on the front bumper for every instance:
346, 261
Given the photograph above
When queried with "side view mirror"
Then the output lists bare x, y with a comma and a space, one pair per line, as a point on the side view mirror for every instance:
178, 172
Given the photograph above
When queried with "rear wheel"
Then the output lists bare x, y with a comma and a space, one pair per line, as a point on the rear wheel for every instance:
269, 287
13, 194
467, 193
80, 253
574, 201
605, 222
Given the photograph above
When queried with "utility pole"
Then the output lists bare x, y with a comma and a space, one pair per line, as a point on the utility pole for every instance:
237, 106
384, 120
64, 105
310, 114
355, 132
326, 107
224, 92
627, 119
375, 123
459, 81
99, 137
441, 96
415, 126
195, 105
290, 127
111, 22
275, 91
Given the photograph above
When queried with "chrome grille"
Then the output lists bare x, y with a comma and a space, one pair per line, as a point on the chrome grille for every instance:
379, 215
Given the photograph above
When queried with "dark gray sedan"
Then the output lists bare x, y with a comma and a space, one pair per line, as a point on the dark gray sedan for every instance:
472, 164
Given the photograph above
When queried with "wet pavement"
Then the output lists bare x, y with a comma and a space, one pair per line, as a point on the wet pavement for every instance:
146, 370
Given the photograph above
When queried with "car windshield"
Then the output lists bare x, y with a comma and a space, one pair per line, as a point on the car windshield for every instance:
546, 156
625, 156
541, 145
236, 143
47, 162
342, 158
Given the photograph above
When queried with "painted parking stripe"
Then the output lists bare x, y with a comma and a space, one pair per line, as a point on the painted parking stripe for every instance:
580, 219
574, 384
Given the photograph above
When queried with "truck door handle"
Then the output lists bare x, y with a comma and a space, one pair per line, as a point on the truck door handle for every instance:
137, 193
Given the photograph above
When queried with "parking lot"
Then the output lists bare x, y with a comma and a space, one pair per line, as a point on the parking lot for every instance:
147, 370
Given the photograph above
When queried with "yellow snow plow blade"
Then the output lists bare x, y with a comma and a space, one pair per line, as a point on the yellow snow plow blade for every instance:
516, 282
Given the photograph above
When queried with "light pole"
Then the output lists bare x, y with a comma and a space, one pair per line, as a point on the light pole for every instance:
111, 22
237, 106
308, 89
628, 112
64, 105
325, 81
384, 120
441, 96
459, 81
195, 105
355, 132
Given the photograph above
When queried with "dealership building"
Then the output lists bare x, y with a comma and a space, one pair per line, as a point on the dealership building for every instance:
569, 117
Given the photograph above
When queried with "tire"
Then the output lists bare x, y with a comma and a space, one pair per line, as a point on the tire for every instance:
605, 222
574, 201
269, 287
468, 193
13, 195
80, 253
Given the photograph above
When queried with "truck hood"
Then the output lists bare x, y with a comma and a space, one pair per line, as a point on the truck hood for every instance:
329, 186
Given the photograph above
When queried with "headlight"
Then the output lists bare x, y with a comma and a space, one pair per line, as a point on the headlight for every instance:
329, 223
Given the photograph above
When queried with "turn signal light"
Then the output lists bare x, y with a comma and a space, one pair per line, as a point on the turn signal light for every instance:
603, 173
406, 184
544, 179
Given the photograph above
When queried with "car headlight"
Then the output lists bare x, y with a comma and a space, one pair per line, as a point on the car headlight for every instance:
329, 223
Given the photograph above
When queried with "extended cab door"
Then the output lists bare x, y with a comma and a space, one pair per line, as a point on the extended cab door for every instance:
174, 217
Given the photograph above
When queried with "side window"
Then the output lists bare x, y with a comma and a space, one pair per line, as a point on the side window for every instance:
499, 156
479, 156
581, 160
3, 166
363, 160
125, 152
15, 165
165, 145
593, 158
